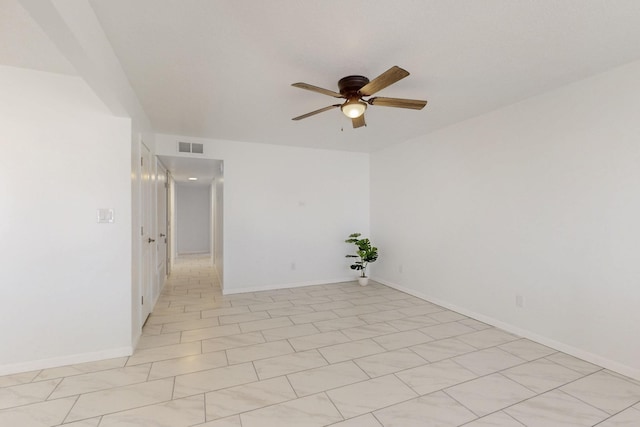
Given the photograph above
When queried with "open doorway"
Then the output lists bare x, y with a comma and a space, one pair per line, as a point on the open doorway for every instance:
194, 219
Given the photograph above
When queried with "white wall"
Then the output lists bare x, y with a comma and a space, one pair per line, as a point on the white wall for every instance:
287, 211
77, 34
66, 280
193, 218
172, 221
540, 199
212, 222
218, 228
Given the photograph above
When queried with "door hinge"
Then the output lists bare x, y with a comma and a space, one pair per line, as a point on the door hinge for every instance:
142, 231
142, 300
141, 161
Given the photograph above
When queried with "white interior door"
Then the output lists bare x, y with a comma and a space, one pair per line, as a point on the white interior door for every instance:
146, 234
162, 188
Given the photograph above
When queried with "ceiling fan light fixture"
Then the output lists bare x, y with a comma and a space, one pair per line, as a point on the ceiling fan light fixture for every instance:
353, 108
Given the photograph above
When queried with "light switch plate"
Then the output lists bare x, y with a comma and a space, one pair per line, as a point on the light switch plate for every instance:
106, 216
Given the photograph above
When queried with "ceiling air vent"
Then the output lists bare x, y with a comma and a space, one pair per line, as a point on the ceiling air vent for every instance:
190, 147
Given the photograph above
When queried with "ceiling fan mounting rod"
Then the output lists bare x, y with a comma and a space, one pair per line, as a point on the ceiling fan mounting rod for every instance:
350, 85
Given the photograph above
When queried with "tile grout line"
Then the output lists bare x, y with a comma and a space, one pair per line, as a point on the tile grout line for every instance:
70, 409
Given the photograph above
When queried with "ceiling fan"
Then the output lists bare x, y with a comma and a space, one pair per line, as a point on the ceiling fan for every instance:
355, 88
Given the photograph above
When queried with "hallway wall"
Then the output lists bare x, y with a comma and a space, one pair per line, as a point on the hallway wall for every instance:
66, 279
217, 206
193, 218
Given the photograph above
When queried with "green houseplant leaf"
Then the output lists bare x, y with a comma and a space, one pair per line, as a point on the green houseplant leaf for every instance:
365, 252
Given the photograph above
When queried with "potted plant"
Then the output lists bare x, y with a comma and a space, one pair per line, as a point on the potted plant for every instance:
365, 254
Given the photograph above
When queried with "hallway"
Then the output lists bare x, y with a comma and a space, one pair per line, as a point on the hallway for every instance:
318, 356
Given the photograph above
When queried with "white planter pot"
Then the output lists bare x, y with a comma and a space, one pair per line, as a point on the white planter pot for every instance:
364, 281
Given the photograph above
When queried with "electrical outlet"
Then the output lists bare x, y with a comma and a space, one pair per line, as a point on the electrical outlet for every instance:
519, 301
293, 265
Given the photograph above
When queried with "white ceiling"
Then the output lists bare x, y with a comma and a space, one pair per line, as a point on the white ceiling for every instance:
223, 68
23, 43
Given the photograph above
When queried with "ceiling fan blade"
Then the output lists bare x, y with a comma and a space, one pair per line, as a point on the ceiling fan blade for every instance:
414, 104
358, 122
317, 89
385, 79
313, 113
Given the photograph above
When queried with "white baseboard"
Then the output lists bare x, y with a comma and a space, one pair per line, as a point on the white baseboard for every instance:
286, 286
556, 345
54, 362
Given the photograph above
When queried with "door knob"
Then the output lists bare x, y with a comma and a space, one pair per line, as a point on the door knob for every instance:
162, 235
151, 240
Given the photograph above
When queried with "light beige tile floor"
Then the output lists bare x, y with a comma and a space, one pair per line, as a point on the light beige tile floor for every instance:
336, 354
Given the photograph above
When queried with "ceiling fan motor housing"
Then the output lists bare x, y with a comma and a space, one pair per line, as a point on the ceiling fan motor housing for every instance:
350, 85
